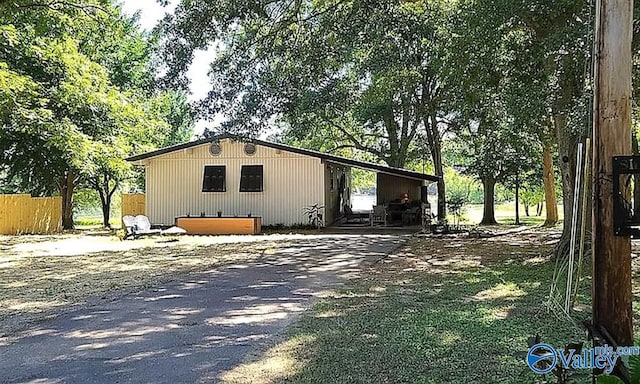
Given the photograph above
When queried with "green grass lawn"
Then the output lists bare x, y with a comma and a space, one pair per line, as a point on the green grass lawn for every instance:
85, 222
440, 311
505, 214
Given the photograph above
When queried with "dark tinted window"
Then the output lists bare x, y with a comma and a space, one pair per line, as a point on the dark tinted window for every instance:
213, 180
251, 178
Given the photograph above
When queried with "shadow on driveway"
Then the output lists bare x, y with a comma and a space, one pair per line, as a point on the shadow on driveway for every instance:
193, 330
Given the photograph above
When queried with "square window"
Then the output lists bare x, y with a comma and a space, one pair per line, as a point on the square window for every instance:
251, 178
214, 178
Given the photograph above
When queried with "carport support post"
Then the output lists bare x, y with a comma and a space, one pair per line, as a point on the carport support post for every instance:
611, 136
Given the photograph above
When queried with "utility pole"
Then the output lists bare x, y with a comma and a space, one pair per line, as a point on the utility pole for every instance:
611, 289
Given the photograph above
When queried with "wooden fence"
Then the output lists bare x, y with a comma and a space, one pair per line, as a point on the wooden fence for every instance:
23, 214
133, 204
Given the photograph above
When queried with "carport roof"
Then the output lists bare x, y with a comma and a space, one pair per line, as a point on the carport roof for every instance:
288, 148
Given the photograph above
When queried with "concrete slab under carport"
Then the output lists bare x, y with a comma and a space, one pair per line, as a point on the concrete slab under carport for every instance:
377, 230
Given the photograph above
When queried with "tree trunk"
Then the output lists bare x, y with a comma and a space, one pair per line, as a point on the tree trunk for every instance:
435, 146
105, 202
442, 201
106, 196
106, 213
636, 179
394, 146
489, 214
539, 209
67, 185
567, 148
526, 209
611, 289
549, 185
518, 201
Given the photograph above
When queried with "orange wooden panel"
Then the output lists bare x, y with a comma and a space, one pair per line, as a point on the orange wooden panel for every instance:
220, 225
46, 213
4, 215
19, 206
133, 204
24, 214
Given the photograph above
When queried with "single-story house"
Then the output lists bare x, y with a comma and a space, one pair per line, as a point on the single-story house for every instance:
270, 180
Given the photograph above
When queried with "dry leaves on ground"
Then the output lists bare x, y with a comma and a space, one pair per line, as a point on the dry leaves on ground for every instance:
41, 275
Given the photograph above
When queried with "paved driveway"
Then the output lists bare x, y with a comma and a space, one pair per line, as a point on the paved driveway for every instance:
193, 330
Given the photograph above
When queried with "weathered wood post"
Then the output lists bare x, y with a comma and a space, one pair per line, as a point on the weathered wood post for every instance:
611, 136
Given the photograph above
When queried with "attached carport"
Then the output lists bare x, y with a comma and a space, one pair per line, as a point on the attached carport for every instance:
392, 185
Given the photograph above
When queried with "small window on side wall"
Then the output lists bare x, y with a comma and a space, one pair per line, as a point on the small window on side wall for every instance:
214, 178
251, 178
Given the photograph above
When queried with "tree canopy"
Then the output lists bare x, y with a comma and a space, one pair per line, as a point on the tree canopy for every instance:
506, 83
393, 79
74, 104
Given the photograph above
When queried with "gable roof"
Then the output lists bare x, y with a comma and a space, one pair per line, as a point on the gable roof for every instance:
288, 148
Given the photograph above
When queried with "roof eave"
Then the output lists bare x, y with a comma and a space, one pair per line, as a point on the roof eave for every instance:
307, 152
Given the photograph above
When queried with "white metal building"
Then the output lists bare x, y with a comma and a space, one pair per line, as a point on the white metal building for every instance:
274, 181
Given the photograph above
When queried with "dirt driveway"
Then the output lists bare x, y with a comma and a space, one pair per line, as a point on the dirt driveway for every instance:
192, 330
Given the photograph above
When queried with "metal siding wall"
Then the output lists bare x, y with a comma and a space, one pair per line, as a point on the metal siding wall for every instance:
291, 181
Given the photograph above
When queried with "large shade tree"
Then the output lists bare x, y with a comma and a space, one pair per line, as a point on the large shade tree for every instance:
371, 73
552, 41
368, 75
75, 103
